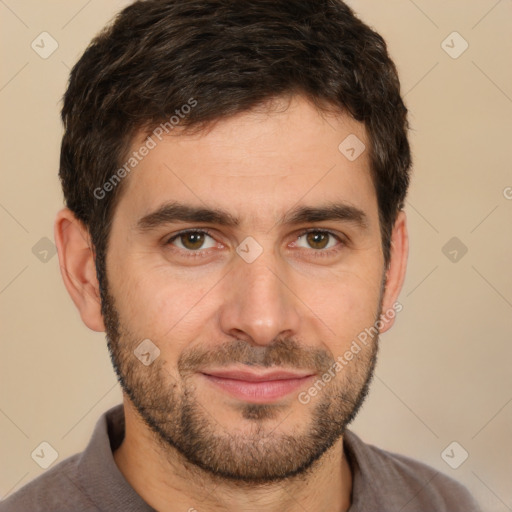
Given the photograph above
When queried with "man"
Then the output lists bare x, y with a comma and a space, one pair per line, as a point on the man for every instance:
234, 175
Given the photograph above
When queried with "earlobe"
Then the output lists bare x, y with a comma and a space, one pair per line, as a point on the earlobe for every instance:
395, 273
78, 269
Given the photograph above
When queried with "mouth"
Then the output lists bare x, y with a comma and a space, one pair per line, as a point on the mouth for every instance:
257, 387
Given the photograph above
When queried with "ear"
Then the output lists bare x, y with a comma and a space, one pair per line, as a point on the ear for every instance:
78, 269
395, 273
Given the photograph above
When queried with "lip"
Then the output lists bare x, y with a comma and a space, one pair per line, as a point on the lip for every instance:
257, 387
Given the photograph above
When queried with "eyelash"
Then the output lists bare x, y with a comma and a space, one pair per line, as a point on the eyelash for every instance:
203, 252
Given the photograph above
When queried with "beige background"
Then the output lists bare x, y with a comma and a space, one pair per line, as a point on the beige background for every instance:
445, 368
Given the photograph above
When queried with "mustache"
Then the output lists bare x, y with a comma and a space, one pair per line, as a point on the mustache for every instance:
282, 352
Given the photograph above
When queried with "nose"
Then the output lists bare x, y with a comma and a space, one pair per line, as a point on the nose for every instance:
259, 303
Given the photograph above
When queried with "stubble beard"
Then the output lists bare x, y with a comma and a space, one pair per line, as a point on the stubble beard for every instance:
169, 406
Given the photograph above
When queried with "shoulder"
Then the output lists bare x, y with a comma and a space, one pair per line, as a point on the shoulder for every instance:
401, 482
56, 490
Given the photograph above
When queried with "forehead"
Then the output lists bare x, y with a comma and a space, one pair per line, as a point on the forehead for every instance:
256, 165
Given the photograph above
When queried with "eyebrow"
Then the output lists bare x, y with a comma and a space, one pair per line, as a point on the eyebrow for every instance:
180, 212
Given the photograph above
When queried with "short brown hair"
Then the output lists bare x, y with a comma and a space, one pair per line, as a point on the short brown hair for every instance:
229, 55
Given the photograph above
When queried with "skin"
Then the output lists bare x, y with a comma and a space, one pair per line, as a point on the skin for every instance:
257, 166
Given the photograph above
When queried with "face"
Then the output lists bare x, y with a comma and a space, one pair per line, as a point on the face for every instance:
249, 258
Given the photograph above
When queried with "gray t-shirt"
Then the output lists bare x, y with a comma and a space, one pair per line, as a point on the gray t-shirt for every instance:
91, 482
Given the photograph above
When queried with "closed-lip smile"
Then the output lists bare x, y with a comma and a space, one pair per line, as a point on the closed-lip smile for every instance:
257, 386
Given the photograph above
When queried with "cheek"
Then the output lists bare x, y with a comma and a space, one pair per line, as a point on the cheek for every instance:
345, 307
158, 305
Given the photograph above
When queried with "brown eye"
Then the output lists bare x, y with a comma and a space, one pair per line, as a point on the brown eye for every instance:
319, 240
191, 241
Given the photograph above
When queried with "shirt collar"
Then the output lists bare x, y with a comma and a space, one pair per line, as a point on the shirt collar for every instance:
98, 474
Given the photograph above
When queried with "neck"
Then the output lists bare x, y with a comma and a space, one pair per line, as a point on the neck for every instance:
169, 482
